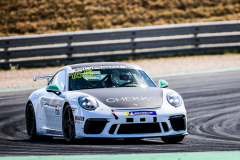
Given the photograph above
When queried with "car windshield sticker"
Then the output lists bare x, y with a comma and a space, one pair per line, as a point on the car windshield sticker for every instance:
136, 113
81, 74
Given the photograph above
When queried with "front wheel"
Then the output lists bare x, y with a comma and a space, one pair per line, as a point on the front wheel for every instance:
68, 124
172, 140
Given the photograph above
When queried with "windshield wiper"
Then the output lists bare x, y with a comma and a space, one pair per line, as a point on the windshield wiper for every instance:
86, 88
131, 85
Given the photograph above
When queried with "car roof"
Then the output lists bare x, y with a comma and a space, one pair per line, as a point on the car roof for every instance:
80, 65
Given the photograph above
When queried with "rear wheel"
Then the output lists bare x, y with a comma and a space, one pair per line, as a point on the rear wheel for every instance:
30, 122
172, 140
68, 124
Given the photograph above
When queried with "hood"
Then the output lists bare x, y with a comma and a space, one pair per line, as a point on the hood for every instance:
128, 97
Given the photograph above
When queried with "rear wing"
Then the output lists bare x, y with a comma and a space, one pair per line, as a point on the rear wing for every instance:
48, 77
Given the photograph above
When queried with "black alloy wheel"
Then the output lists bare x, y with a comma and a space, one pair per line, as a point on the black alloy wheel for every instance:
68, 124
30, 122
172, 140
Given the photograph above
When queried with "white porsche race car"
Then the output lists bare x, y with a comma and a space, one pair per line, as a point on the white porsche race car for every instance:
105, 100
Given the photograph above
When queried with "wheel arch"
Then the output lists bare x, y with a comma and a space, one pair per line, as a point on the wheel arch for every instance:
28, 101
65, 104
33, 136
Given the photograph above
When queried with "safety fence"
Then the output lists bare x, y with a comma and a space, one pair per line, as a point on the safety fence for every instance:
116, 44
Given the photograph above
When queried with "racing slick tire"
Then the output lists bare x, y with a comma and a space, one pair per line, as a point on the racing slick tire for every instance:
172, 140
68, 125
30, 122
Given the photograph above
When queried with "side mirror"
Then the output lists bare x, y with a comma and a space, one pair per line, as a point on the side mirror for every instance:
162, 83
53, 88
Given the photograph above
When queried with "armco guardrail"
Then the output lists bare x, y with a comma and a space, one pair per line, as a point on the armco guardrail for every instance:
129, 41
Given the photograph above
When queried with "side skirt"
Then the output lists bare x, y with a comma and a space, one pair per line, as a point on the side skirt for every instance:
51, 132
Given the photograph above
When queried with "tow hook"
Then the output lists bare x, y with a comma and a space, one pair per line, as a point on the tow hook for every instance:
116, 117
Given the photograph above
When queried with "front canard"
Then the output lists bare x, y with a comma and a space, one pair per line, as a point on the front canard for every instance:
136, 113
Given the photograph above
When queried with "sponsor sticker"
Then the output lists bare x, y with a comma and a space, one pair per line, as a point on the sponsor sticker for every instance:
136, 113
79, 118
139, 98
56, 111
78, 122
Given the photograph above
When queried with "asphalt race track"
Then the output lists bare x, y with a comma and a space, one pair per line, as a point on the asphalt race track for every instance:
213, 107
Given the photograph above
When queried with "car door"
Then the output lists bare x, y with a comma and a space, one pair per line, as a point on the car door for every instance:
53, 103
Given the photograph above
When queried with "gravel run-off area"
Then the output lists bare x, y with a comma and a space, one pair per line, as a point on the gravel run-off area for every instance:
24, 77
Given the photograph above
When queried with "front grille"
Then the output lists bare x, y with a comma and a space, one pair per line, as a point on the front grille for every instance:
139, 128
178, 122
94, 126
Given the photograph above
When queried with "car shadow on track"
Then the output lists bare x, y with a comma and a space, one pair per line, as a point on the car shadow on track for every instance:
57, 141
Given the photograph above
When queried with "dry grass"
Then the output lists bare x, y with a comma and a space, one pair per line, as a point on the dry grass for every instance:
18, 17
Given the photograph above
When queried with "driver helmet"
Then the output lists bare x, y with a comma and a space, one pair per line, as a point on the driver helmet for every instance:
121, 77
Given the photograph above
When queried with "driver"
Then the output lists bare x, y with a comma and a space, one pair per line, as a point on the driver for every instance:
121, 77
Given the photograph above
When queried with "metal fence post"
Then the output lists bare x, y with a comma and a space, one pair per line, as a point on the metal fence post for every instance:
196, 37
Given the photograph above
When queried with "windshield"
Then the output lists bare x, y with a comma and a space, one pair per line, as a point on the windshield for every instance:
109, 78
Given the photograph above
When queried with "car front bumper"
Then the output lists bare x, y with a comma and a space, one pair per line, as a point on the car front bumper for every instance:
137, 126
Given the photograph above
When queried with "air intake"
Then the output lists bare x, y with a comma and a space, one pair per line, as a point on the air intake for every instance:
178, 122
94, 125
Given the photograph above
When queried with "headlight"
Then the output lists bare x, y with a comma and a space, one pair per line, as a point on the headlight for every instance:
174, 99
87, 102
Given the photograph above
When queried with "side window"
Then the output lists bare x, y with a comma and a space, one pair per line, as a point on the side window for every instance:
60, 80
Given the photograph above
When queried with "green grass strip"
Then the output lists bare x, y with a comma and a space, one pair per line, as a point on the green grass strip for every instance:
230, 155
21, 88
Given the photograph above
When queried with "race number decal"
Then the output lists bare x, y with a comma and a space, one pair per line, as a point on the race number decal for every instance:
81, 74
